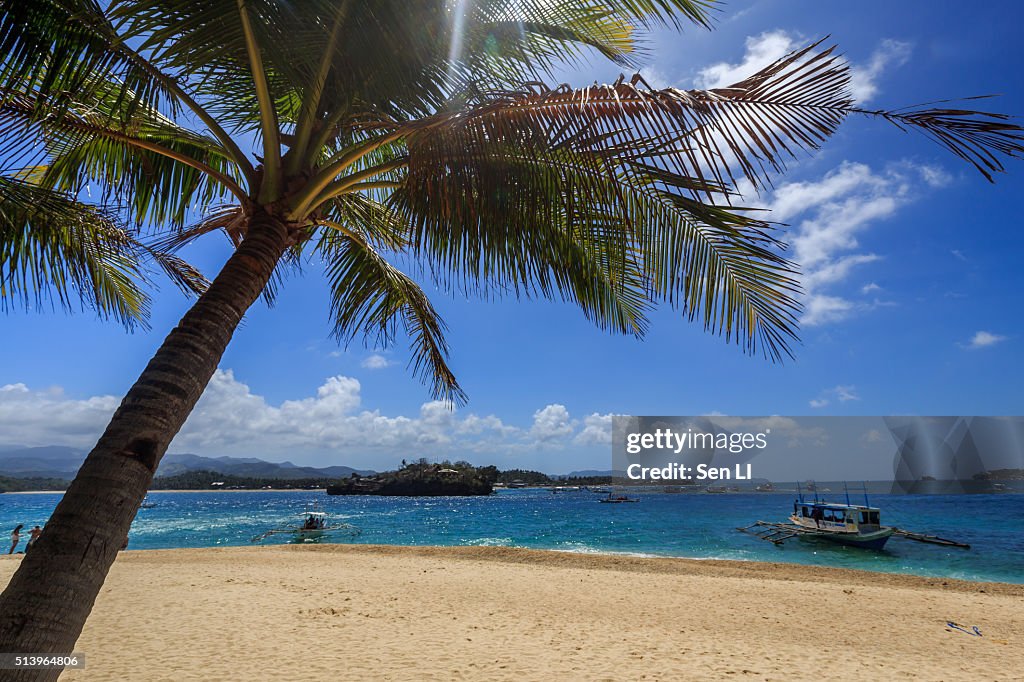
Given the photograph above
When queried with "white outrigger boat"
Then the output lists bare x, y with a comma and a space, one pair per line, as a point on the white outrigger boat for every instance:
847, 524
855, 525
313, 526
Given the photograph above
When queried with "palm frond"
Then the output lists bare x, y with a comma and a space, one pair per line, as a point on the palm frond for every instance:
148, 163
55, 248
182, 274
541, 217
65, 49
977, 137
371, 297
492, 190
396, 58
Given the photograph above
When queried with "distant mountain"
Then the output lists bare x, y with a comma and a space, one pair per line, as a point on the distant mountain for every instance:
250, 466
57, 461
52, 461
585, 473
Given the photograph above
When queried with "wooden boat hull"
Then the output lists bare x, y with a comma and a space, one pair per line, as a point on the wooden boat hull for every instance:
873, 540
309, 534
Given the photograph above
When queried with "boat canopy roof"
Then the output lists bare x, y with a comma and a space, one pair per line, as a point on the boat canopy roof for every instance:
836, 505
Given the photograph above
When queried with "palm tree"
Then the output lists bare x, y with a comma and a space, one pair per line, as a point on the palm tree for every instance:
370, 133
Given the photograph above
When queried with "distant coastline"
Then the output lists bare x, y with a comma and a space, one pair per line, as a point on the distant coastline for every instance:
203, 490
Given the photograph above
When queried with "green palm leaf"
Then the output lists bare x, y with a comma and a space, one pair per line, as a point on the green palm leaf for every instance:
54, 247
369, 296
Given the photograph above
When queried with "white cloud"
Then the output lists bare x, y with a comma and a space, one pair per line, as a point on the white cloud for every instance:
655, 78
864, 80
845, 393
829, 216
49, 417
820, 309
331, 426
958, 254
984, 339
375, 361
770, 46
761, 50
552, 423
597, 430
836, 270
841, 393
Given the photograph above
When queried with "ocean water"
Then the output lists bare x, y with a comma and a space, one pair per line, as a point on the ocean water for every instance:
692, 525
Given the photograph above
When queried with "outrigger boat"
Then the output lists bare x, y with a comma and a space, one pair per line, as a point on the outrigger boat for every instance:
314, 525
849, 524
617, 499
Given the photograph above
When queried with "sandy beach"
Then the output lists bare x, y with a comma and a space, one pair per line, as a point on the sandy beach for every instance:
489, 613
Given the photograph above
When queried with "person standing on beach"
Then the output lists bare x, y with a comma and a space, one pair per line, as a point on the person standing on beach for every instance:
33, 536
15, 537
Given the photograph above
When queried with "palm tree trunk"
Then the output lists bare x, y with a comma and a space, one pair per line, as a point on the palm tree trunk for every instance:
50, 596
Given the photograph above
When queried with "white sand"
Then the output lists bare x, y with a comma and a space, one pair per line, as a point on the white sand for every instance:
486, 613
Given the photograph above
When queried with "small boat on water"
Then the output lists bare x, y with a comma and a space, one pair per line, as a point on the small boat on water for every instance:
313, 525
846, 524
616, 499
854, 525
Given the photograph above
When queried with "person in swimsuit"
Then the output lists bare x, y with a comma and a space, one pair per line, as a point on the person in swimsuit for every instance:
15, 537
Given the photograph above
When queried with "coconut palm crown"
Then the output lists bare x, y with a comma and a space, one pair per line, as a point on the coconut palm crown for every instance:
370, 135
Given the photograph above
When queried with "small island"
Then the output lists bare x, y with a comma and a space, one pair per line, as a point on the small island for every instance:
422, 478
1001, 475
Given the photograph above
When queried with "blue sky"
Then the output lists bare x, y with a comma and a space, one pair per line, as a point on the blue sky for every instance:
910, 259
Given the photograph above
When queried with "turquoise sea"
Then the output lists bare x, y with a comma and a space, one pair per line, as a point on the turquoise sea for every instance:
693, 525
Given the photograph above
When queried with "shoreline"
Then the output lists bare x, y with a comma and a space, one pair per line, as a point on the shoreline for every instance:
190, 490
496, 613
611, 561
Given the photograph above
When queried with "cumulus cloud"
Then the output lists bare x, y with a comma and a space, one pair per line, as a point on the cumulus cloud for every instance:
49, 417
984, 339
375, 361
597, 430
552, 423
328, 427
770, 46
